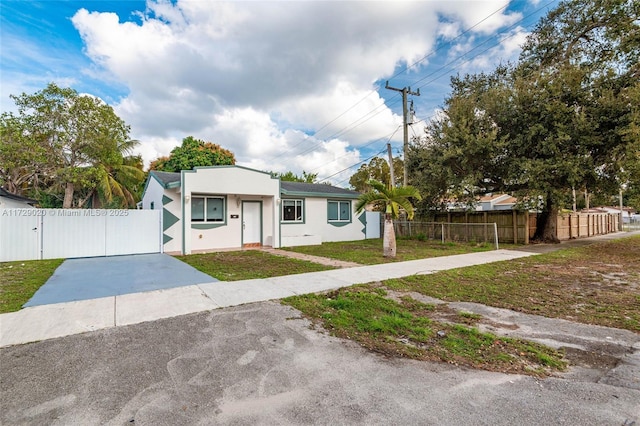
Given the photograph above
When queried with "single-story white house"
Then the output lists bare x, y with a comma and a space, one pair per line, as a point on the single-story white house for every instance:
13, 201
233, 207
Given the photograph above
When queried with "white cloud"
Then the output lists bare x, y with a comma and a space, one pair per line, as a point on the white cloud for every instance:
259, 78
505, 48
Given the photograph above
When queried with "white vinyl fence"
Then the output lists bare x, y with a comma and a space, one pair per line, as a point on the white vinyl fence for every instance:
29, 234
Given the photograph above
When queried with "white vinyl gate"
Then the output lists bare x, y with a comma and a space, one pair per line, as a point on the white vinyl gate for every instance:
29, 234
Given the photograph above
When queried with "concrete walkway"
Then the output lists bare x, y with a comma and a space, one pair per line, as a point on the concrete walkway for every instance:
62, 319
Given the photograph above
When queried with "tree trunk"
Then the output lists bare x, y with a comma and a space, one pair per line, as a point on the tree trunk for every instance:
389, 237
546, 223
68, 196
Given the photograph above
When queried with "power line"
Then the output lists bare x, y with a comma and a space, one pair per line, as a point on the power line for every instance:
433, 52
362, 161
379, 108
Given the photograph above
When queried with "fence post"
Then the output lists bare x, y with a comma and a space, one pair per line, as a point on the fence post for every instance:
570, 227
466, 227
484, 219
442, 233
515, 226
526, 227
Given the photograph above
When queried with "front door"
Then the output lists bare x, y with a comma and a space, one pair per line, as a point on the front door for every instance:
251, 224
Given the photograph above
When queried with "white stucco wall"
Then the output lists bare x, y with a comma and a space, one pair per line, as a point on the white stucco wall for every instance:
316, 229
154, 193
235, 184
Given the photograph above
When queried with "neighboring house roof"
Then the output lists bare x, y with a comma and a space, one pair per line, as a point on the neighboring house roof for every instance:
315, 190
510, 200
614, 209
7, 194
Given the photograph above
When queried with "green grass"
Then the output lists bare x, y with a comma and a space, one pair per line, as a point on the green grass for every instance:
20, 280
405, 329
369, 252
248, 264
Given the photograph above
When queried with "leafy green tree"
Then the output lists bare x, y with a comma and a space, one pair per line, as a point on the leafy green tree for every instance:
70, 138
292, 177
390, 201
193, 153
566, 116
23, 160
377, 169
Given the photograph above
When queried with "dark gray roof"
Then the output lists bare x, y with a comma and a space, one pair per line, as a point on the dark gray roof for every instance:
167, 178
7, 194
316, 189
300, 189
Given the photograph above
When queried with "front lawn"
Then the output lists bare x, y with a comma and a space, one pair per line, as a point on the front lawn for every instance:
248, 264
20, 280
598, 284
369, 252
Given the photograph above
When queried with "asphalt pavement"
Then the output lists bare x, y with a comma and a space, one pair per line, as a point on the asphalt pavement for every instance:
262, 364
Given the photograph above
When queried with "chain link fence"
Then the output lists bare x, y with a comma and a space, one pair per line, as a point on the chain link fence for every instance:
448, 232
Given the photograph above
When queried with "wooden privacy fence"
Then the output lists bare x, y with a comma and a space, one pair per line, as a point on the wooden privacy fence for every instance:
513, 226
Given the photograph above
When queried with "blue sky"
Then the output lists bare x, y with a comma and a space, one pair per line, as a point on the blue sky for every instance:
284, 85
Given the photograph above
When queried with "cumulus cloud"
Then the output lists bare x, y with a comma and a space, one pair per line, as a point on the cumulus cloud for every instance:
284, 85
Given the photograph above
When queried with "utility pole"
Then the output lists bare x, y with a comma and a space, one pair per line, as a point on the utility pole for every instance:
393, 176
405, 91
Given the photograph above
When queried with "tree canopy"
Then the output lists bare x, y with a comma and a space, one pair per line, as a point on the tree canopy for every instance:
62, 145
377, 169
564, 117
292, 177
193, 153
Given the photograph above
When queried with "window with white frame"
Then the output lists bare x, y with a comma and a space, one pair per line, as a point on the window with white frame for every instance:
339, 211
207, 209
293, 211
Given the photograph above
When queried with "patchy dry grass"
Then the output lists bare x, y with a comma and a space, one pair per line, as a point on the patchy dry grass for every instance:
20, 280
406, 328
598, 284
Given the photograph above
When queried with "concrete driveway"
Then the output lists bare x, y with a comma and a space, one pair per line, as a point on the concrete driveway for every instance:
96, 277
261, 364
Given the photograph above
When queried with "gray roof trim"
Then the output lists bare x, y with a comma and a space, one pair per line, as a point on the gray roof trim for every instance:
303, 189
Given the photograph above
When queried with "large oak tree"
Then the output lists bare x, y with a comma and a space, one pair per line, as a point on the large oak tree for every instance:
565, 116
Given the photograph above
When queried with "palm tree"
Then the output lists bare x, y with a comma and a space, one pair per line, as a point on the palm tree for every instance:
119, 176
390, 200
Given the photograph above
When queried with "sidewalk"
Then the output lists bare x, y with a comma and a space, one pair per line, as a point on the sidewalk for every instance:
57, 320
